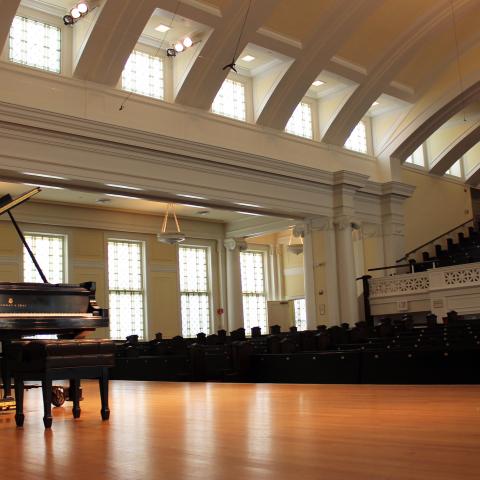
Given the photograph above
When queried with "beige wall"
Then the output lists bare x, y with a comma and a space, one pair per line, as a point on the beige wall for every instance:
437, 205
87, 256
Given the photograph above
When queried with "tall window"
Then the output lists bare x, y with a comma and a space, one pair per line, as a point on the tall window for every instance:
49, 252
300, 313
35, 44
143, 74
300, 122
194, 290
253, 290
416, 158
126, 288
455, 170
357, 141
230, 100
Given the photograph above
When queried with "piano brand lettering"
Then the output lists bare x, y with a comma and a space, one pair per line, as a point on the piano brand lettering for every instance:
11, 303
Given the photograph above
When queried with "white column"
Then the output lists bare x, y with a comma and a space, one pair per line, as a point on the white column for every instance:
234, 282
309, 279
346, 270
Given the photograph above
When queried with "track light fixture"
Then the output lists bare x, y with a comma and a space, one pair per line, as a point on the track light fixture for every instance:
180, 46
76, 12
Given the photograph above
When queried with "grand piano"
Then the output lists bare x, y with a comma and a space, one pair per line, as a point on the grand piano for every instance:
27, 309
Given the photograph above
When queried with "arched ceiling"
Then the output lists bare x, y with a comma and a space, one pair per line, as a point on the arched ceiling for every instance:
423, 55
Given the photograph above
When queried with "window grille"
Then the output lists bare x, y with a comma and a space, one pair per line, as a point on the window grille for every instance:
35, 44
416, 158
49, 252
300, 122
126, 288
230, 100
455, 170
300, 313
194, 290
253, 290
143, 74
357, 141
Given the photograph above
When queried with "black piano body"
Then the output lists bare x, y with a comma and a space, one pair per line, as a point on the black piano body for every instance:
28, 309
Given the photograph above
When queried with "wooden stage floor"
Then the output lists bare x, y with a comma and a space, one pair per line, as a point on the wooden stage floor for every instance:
170, 431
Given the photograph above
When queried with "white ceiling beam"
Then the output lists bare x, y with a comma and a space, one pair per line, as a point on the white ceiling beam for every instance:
461, 145
111, 39
390, 63
427, 122
8, 9
332, 31
206, 75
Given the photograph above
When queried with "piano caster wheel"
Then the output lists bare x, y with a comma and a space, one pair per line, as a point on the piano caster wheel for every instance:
58, 396
47, 422
19, 419
105, 414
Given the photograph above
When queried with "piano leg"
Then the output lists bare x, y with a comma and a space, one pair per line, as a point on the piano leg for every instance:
75, 396
103, 383
47, 401
6, 376
19, 416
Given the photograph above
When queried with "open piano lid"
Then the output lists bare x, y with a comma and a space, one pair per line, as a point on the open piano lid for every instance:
7, 202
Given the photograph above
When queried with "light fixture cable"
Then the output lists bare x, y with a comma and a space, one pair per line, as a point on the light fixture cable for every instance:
232, 65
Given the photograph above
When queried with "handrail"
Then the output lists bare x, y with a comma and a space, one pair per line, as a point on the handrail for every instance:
435, 239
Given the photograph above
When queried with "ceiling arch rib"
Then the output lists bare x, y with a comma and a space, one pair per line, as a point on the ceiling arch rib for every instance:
205, 76
321, 46
8, 9
111, 39
394, 59
429, 122
455, 150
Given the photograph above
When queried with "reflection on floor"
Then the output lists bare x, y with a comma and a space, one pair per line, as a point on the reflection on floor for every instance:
240, 431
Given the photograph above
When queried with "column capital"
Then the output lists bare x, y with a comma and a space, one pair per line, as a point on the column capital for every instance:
343, 222
235, 243
321, 223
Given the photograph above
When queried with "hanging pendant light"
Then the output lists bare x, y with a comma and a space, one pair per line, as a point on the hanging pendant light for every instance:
172, 237
295, 248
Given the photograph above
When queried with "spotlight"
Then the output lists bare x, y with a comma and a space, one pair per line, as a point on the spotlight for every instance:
187, 42
75, 13
171, 52
68, 20
82, 8
179, 47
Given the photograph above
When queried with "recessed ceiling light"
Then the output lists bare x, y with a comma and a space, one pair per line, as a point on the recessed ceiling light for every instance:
317, 83
162, 28
247, 205
191, 206
122, 196
196, 197
251, 213
374, 104
248, 58
114, 185
43, 186
43, 175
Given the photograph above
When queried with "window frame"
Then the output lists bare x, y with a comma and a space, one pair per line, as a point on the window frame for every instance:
296, 299
143, 245
190, 243
166, 76
247, 88
65, 41
460, 177
65, 262
264, 251
313, 111
368, 138
416, 165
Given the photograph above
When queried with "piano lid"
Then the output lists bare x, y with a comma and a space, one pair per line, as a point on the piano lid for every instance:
7, 202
